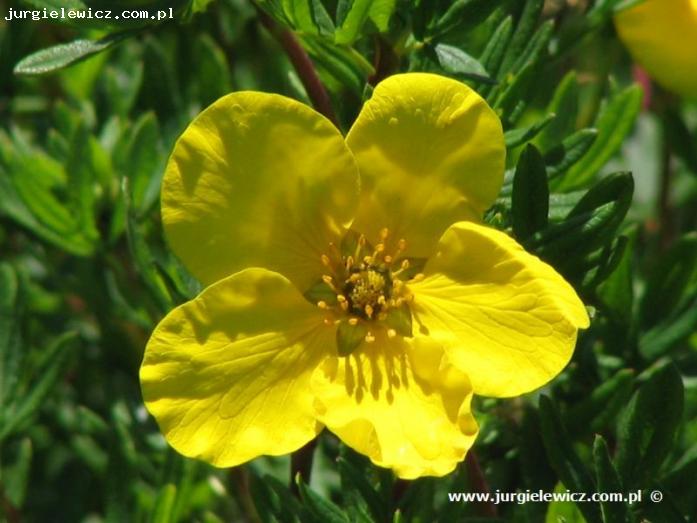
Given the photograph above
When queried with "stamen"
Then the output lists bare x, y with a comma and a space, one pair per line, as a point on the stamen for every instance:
369, 338
322, 304
353, 321
391, 333
368, 311
418, 277
384, 233
326, 261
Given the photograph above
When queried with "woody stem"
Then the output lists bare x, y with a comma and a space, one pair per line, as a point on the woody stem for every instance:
302, 64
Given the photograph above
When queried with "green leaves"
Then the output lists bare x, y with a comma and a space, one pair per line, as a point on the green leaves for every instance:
24, 384
62, 55
29, 183
649, 425
458, 63
530, 202
608, 481
564, 458
614, 123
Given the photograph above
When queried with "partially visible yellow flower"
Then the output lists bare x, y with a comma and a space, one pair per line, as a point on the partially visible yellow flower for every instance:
350, 284
661, 35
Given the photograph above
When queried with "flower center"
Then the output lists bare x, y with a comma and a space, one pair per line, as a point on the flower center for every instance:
364, 290
367, 290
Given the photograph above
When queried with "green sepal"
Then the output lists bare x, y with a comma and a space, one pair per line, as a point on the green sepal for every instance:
320, 291
399, 319
349, 337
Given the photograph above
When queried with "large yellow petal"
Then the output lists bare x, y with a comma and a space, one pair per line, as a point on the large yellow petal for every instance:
431, 152
258, 180
506, 318
662, 36
227, 375
400, 403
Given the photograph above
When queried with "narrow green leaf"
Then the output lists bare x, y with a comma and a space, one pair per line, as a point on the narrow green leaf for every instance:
62, 55
571, 149
530, 199
354, 480
344, 64
596, 411
513, 94
672, 278
350, 28
142, 255
163, 511
321, 508
536, 47
455, 61
145, 165
56, 359
82, 184
10, 343
16, 475
649, 425
494, 51
564, 104
617, 291
309, 16
467, 13
615, 121
671, 331
608, 481
517, 137
563, 511
590, 225
564, 459
381, 12
524, 31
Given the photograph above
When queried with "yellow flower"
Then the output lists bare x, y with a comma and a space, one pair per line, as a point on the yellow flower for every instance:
373, 304
661, 35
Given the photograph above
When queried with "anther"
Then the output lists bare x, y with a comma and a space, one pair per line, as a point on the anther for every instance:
353, 322
369, 338
384, 233
322, 304
418, 277
369, 311
325, 260
391, 333
388, 259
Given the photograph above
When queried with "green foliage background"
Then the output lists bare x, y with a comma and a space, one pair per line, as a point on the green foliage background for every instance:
598, 185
